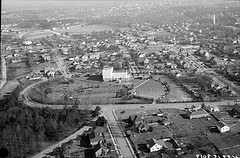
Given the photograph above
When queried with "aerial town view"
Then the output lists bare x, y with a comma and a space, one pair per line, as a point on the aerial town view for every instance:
120, 79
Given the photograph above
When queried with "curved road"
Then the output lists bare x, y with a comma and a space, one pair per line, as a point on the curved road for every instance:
108, 111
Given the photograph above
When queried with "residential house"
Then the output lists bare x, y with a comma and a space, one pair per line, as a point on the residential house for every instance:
173, 66
97, 149
142, 127
159, 113
222, 127
236, 110
197, 114
94, 56
46, 57
8, 48
155, 145
85, 57
214, 109
84, 140
72, 149
172, 55
100, 149
166, 122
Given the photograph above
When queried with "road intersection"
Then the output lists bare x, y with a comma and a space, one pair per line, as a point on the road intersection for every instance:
121, 143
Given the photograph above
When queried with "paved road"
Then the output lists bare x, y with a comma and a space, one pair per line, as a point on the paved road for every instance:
23, 95
50, 149
61, 65
58, 59
125, 150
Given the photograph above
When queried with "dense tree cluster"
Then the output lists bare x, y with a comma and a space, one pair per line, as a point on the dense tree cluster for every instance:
23, 129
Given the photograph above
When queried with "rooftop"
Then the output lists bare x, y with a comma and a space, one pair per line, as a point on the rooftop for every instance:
200, 112
107, 68
236, 108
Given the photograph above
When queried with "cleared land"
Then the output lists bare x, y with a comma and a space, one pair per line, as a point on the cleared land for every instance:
176, 92
151, 89
85, 91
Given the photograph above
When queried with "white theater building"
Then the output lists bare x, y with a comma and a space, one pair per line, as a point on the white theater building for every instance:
109, 74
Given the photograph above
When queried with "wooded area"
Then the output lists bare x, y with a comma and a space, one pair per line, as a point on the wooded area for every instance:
23, 128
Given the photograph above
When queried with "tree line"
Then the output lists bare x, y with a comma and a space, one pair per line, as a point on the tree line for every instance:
24, 129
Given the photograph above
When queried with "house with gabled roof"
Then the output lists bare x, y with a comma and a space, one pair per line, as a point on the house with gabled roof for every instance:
197, 114
155, 145
222, 127
236, 110
142, 127
100, 149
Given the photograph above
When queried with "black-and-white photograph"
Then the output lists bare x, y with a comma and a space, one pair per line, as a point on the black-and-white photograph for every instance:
120, 79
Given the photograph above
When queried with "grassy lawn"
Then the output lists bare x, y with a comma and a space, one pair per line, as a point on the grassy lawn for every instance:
86, 91
151, 89
176, 92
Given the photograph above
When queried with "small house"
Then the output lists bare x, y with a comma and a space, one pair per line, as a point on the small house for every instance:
155, 145
197, 114
142, 127
236, 110
166, 122
222, 127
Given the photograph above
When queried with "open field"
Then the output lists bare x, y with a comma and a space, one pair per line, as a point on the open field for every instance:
85, 91
151, 89
6, 37
176, 92
17, 70
83, 29
37, 34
